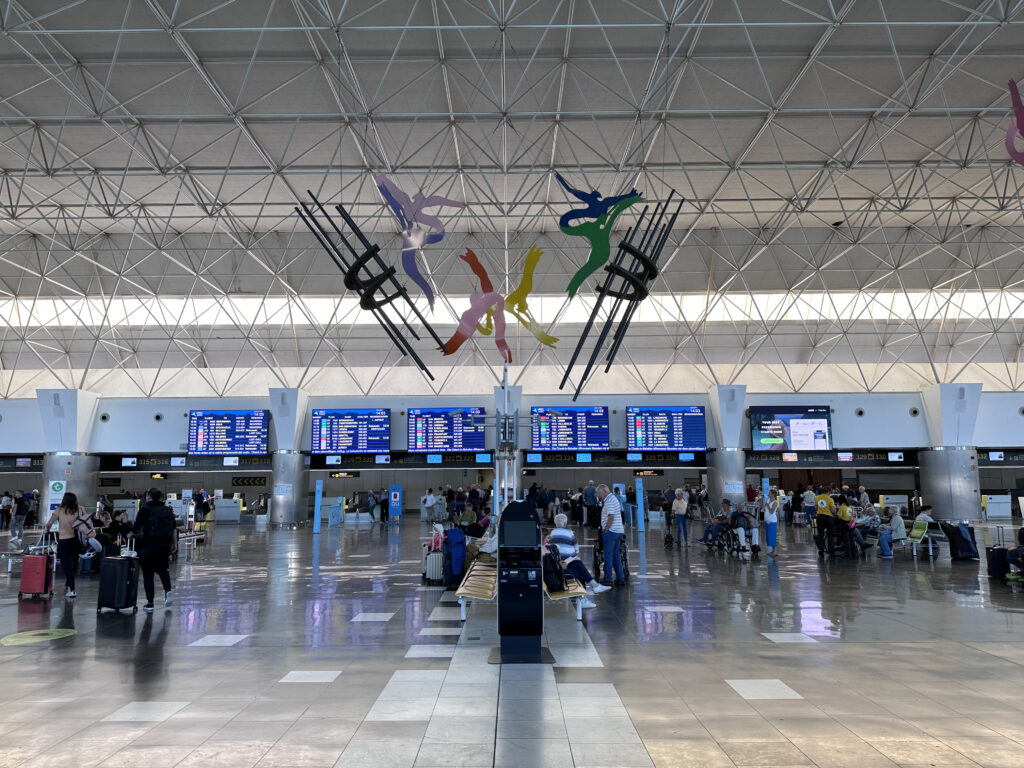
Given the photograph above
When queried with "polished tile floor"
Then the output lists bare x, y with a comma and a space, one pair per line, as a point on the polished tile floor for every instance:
287, 650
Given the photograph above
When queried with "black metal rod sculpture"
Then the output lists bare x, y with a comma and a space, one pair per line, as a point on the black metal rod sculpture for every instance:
626, 287
368, 277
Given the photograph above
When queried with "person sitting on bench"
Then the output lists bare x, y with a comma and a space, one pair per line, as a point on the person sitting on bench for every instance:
565, 540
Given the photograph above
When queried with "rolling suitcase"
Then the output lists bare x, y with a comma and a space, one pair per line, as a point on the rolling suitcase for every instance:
998, 562
435, 567
36, 576
119, 584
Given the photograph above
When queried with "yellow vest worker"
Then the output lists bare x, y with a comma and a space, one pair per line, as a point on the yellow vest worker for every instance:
824, 505
845, 513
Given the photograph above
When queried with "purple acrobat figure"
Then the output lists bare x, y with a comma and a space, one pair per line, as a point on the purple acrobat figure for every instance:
411, 215
1016, 126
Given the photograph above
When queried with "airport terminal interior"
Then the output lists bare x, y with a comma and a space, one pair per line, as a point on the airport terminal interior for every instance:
611, 383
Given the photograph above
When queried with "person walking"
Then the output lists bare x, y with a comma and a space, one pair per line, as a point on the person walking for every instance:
20, 512
612, 532
679, 512
67, 539
154, 527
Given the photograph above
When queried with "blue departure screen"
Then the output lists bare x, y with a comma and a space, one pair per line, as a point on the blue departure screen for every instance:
445, 430
227, 433
666, 429
359, 430
569, 428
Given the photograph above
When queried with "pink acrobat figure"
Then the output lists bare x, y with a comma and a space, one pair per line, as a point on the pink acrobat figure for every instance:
410, 213
1016, 126
479, 303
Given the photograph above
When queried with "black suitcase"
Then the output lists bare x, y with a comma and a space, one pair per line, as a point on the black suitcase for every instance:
119, 584
998, 562
961, 547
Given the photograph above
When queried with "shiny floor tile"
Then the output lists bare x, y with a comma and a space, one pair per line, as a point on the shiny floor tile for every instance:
373, 617
763, 689
439, 632
218, 641
145, 712
443, 613
430, 652
788, 637
310, 676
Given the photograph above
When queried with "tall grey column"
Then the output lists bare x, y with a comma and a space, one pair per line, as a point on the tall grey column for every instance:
726, 473
289, 503
949, 482
77, 473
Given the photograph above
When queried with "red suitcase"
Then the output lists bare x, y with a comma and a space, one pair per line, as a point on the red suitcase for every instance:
36, 576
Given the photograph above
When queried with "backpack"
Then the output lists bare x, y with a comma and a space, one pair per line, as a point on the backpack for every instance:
161, 524
554, 575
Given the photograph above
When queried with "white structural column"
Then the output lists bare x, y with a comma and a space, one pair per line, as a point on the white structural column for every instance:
289, 503
727, 463
67, 417
949, 469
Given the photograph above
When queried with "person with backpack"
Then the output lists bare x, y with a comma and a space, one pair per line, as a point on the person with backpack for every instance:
67, 539
154, 533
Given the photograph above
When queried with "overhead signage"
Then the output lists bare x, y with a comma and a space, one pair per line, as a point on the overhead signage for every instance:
648, 472
163, 462
21, 463
649, 459
249, 481
1000, 457
400, 460
337, 475
874, 458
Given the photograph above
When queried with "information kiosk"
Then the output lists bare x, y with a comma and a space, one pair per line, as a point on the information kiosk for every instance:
520, 588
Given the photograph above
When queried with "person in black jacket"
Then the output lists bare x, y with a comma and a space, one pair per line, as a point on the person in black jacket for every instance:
154, 530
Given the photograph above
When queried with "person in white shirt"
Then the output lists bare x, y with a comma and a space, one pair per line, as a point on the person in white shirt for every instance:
924, 515
612, 532
770, 506
428, 501
809, 505
679, 506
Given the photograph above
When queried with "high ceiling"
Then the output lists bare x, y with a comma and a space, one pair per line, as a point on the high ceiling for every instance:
851, 217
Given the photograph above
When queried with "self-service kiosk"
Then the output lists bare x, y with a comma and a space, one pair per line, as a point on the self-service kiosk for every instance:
520, 587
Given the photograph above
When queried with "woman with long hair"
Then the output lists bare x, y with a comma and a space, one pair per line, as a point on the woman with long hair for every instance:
67, 539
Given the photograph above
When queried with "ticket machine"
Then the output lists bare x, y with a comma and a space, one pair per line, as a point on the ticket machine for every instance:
520, 586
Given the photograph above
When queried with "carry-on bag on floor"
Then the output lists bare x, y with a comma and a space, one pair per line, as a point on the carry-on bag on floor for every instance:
435, 567
119, 584
36, 576
998, 562
89, 562
961, 541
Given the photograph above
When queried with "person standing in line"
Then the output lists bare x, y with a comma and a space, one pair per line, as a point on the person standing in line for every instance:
154, 526
20, 511
809, 508
771, 520
590, 502
751, 494
67, 539
6, 507
612, 532
679, 512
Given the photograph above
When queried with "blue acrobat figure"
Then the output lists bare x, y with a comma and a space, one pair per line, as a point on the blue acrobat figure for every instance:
411, 215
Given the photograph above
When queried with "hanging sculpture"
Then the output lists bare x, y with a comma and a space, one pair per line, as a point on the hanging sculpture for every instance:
418, 227
626, 286
486, 301
516, 303
368, 277
603, 211
1016, 127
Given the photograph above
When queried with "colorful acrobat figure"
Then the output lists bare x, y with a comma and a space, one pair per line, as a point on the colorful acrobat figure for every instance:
516, 303
411, 215
1016, 126
479, 303
603, 211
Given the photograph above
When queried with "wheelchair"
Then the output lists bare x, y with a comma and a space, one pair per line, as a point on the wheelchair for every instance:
598, 570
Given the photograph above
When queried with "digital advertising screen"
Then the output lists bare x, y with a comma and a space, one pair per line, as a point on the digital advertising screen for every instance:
791, 428
446, 430
357, 430
223, 433
677, 428
569, 428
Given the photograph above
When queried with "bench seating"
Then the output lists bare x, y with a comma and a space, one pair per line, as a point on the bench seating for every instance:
481, 583
573, 591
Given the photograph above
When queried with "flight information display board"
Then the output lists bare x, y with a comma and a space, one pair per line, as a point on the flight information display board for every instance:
227, 433
357, 430
446, 430
676, 428
569, 428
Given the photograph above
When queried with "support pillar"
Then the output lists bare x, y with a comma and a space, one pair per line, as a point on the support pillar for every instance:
77, 472
949, 482
289, 503
727, 469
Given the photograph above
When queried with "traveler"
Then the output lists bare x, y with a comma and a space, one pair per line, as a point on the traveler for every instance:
427, 502
32, 508
679, 512
925, 515
67, 539
892, 530
864, 501
825, 511
569, 550
809, 505
154, 527
612, 532
771, 520
751, 494
6, 505
741, 523
718, 524
18, 519
590, 503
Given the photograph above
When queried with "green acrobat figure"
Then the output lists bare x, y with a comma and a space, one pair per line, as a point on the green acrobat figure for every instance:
599, 231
